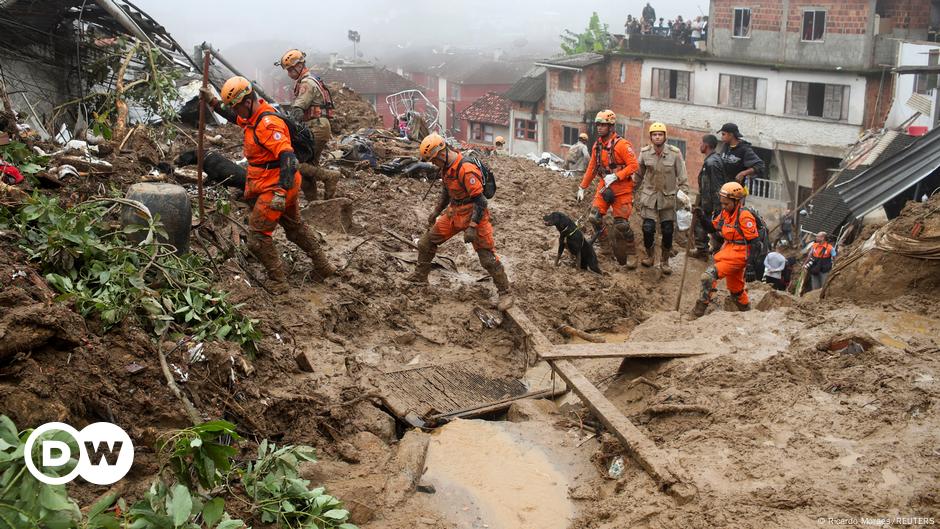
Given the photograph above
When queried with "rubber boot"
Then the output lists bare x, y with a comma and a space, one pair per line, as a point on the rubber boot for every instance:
631, 256
308, 181
425, 254
649, 259
664, 263
742, 307
700, 308
330, 180
505, 299
266, 252
304, 238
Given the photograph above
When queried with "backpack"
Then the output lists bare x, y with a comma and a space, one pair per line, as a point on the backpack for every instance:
758, 248
301, 138
489, 179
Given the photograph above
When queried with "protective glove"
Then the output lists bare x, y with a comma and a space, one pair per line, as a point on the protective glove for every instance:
470, 235
279, 202
580, 194
684, 198
610, 179
209, 97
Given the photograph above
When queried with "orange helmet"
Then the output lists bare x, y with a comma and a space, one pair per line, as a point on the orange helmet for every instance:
733, 190
431, 146
291, 58
606, 116
235, 89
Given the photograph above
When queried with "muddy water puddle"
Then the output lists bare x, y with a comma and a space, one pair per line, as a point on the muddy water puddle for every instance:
495, 475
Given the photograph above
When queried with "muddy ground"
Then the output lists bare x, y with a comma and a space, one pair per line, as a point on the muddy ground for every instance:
791, 431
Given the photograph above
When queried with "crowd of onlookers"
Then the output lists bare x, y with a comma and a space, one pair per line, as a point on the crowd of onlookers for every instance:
687, 32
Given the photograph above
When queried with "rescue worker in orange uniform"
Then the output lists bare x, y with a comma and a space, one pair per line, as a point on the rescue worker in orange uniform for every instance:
738, 228
272, 183
615, 163
466, 211
819, 264
313, 106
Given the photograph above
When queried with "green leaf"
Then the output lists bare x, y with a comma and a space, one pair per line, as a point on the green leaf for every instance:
212, 512
231, 524
181, 505
336, 514
53, 498
102, 505
347, 526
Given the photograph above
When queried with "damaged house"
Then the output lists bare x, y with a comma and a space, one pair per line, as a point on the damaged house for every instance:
60, 59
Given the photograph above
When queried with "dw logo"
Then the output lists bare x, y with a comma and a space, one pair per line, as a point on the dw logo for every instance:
105, 453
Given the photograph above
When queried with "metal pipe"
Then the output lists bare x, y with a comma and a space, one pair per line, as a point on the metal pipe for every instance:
127, 23
235, 71
200, 148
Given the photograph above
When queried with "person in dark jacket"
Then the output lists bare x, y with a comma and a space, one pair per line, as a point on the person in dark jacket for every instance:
710, 179
740, 161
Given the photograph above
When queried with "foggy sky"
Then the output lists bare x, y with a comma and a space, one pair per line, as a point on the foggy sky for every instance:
521, 27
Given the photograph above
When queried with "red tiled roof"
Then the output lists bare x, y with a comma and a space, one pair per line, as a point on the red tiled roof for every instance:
491, 108
368, 80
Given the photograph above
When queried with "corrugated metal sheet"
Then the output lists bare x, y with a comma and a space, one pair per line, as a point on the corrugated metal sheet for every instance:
896, 171
529, 89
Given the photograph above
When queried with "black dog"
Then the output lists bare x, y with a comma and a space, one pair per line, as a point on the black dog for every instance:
218, 169
570, 235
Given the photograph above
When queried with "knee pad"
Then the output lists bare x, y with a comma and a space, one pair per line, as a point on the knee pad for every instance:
623, 228
710, 274
649, 226
668, 227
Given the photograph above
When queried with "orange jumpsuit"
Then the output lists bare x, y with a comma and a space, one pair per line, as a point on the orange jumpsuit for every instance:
624, 165
264, 170
463, 183
737, 229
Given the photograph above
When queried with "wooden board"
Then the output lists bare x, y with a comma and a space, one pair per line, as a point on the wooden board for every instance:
624, 350
640, 447
447, 391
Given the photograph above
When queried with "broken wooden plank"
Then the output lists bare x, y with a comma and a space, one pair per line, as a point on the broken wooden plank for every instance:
641, 448
624, 350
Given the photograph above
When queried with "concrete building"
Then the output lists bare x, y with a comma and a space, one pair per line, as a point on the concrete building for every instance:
527, 124
802, 81
915, 90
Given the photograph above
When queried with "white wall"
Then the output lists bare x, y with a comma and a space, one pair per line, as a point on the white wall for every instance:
763, 129
523, 147
910, 54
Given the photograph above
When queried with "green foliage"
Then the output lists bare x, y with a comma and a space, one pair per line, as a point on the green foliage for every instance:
103, 274
177, 508
201, 454
283, 497
26, 502
23, 158
595, 38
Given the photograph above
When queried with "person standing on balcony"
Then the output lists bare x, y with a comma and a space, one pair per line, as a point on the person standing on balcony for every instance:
649, 14
741, 163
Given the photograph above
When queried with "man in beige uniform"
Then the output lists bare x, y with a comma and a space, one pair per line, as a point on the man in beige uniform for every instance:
312, 105
660, 180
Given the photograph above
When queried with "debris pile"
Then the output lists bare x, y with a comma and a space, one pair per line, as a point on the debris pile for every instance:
352, 112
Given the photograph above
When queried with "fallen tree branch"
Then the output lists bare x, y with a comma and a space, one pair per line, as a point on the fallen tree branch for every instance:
187, 405
120, 125
671, 409
572, 332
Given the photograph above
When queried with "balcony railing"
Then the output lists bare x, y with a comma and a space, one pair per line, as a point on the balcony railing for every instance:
769, 189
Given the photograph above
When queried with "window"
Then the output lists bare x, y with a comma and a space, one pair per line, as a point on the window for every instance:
671, 84
742, 22
481, 132
814, 25
570, 135
677, 143
623, 72
830, 101
566, 81
525, 129
620, 129
741, 92
924, 82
